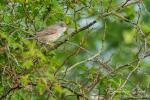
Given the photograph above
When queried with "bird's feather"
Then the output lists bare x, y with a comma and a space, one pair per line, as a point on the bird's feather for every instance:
48, 31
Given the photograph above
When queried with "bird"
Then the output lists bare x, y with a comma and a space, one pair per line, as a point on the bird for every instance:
51, 33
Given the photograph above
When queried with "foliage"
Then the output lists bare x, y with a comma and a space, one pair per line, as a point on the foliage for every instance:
104, 53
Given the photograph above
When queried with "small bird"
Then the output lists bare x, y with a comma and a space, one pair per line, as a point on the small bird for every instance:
51, 33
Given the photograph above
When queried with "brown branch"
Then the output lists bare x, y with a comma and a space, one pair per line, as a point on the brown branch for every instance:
9, 91
17, 87
115, 71
65, 61
74, 92
127, 79
72, 34
135, 98
90, 24
94, 83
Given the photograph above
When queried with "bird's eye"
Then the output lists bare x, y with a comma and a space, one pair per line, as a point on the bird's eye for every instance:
62, 25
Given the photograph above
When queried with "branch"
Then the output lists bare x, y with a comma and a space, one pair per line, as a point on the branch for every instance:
83, 61
17, 87
72, 34
124, 83
74, 92
135, 98
90, 24
9, 91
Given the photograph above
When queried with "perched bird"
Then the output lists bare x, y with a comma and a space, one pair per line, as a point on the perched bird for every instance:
51, 33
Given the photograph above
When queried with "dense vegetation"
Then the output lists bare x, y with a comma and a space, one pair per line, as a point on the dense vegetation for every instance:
104, 54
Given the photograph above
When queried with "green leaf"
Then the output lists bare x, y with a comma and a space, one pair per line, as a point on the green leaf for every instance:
28, 64
24, 80
129, 36
41, 85
58, 88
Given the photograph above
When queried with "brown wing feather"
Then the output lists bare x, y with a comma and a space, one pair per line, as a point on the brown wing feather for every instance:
48, 31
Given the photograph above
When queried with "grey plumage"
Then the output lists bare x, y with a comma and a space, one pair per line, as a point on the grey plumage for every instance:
51, 33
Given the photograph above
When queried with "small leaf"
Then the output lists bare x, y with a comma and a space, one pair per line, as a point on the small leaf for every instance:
28, 64
24, 80
57, 88
41, 86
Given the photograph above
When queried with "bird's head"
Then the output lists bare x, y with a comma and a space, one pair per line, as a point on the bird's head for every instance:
62, 26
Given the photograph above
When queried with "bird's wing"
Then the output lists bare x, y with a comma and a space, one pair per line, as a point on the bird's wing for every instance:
48, 31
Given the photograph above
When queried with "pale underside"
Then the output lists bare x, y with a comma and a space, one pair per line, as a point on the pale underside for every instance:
50, 34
